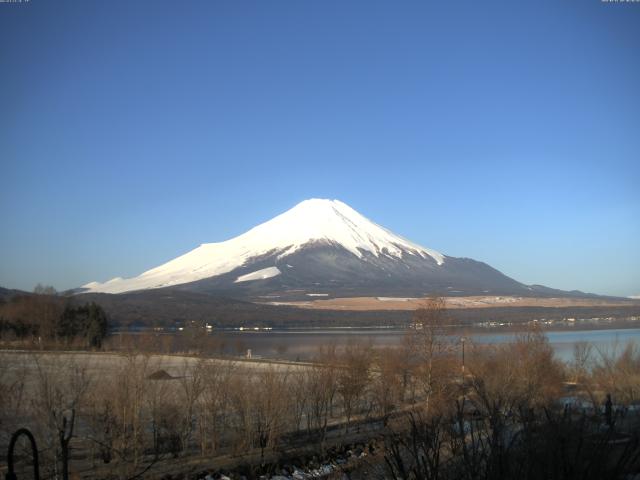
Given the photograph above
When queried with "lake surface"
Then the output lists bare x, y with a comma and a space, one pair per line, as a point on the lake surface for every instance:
304, 344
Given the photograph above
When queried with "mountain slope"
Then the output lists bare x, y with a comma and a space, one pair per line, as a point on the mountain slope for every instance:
311, 221
321, 248
327, 270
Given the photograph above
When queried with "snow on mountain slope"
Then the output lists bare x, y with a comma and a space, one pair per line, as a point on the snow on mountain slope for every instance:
262, 274
315, 220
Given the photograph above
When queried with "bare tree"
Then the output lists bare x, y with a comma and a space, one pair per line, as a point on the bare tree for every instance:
128, 393
60, 387
353, 377
388, 383
415, 451
191, 388
618, 373
240, 415
215, 403
270, 414
582, 352
102, 422
13, 393
40, 289
321, 381
539, 373
430, 344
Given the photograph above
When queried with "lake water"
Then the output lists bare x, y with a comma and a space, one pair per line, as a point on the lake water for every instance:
304, 344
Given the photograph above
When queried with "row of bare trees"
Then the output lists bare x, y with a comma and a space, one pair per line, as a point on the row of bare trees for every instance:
518, 412
122, 413
118, 415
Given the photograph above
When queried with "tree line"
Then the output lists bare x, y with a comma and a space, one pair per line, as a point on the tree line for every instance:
46, 319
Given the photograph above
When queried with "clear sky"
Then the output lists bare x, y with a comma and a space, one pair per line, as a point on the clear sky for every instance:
508, 132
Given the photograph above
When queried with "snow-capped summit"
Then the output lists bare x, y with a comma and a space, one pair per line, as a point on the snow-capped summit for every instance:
330, 221
311, 223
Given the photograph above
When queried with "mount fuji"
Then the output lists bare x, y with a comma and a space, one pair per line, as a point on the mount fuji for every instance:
321, 248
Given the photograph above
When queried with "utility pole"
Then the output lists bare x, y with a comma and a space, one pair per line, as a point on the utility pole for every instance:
462, 340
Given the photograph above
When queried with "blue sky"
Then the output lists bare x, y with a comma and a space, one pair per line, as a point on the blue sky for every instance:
508, 132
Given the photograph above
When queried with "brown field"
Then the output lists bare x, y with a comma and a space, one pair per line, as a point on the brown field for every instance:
395, 303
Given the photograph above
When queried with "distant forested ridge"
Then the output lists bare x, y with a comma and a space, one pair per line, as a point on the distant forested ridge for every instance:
166, 307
